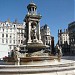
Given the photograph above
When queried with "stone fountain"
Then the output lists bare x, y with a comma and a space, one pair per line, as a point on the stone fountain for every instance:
34, 49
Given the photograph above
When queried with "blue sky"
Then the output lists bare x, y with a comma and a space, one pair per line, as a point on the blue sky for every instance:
56, 13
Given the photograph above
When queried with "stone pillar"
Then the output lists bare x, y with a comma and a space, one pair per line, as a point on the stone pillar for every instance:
39, 33
34, 10
29, 32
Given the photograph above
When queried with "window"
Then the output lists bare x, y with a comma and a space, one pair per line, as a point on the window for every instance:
2, 35
14, 36
3, 25
7, 25
46, 38
14, 26
2, 40
10, 36
21, 41
14, 41
18, 41
3, 29
10, 47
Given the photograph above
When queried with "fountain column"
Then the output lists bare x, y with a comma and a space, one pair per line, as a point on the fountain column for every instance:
39, 33
29, 33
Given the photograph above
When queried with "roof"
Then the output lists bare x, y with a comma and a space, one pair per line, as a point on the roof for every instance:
31, 5
71, 24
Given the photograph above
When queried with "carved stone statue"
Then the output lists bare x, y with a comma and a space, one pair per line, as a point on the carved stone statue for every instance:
59, 51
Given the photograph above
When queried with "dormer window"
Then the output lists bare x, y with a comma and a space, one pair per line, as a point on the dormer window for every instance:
3, 25
14, 26
7, 25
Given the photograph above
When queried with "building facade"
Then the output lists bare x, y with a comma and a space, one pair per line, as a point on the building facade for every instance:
11, 34
46, 36
71, 28
63, 41
63, 36
20, 34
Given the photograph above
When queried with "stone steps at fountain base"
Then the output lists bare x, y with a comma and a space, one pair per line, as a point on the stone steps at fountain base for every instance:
65, 71
60, 69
